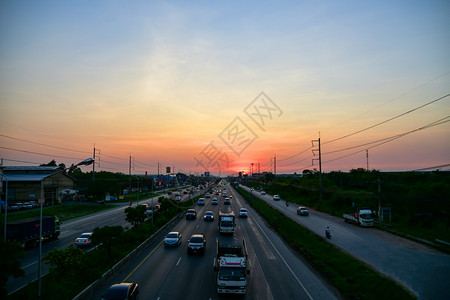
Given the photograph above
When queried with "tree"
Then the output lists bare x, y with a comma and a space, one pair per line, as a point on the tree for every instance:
69, 262
52, 163
9, 264
135, 216
106, 236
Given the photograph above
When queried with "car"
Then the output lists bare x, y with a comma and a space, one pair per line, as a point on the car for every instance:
302, 211
227, 201
173, 239
191, 214
196, 244
263, 193
207, 195
276, 197
124, 290
201, 201
209, 216
243, 213
12, 207
214, 201
34, 204
28, 205
20, 205
169, 193
84, 240
177, 198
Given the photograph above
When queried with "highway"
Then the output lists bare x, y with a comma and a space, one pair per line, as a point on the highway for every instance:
70, 230
423, 270
275, 271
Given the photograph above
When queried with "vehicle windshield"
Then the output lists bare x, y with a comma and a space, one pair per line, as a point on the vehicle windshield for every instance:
365, 216
84, 236
232, 274
226, 223
196, 239
172, 235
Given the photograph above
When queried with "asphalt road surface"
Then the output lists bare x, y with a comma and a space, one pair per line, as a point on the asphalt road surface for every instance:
70, 230
423, 270
275, 271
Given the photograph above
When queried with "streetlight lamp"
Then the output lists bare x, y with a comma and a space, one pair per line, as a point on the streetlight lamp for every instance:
86, 162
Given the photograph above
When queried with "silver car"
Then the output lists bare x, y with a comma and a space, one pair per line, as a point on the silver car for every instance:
173, 239
84, 240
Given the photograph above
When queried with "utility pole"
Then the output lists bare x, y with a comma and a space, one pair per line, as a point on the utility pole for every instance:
367, 159
275, 165
320, 163
93, 165
158, 168
251, 168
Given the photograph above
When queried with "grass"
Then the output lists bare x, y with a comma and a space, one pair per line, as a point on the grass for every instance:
351, 277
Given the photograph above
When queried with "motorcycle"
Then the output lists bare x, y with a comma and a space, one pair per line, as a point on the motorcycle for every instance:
287, 203
328, 233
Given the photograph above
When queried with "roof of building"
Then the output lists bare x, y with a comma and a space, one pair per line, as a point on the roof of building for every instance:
30, 168
27, 177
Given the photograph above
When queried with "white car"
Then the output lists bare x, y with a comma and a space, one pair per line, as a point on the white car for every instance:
201, 201
276, 197
214, 201
243, 213
84, 240
263, 193
173, 239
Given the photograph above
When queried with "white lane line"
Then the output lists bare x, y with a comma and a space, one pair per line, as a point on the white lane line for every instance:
287, 266
178, 262
24, 267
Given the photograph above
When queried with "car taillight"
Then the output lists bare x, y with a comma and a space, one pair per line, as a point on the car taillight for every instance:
76, 240
87, 240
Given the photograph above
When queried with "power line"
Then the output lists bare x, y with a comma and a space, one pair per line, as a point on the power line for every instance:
297, 154
390, 119
40, 144
435, 123
432, 168
37, 153
398, 97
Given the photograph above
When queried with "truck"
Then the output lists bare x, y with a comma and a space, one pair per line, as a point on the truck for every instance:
26, 231
231, 267
362, 217
226, 222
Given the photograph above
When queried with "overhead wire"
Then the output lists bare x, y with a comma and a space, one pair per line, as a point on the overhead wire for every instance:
41, 144
388, 120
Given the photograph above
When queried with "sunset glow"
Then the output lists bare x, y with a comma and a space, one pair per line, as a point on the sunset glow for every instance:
167, 82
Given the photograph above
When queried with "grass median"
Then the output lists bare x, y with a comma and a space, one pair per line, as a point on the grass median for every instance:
351, 277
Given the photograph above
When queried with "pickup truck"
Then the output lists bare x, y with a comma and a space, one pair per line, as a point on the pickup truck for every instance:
362, 217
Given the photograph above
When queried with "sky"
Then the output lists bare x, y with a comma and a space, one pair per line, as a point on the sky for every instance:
220, 85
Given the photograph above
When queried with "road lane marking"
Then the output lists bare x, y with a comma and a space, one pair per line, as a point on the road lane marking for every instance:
157, 246
282, 258
24, 267
178, 262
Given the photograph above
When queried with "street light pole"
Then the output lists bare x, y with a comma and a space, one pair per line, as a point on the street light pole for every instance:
6, 206
85, 162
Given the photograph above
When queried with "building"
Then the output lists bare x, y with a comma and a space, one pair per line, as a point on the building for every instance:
24, 184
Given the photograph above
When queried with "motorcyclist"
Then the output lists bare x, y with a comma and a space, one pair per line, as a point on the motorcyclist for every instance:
328, 231
129, 203
287, 203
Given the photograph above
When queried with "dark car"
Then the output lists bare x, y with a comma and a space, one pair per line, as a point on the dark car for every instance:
209, 216
302, 211
196, 244
191, 214
122, 291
